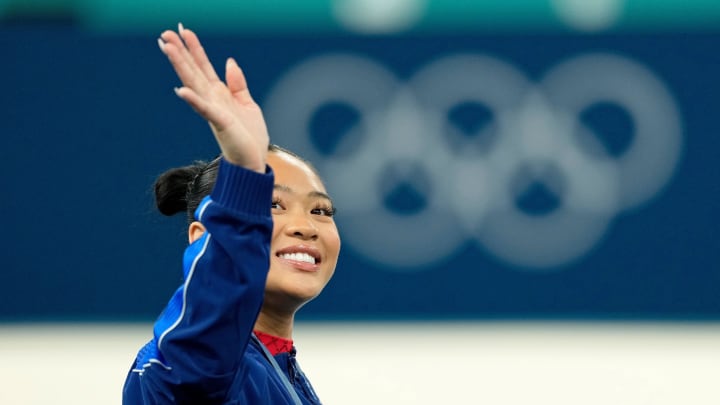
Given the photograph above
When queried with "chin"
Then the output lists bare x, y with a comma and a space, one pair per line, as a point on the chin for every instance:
293, 295
303, 295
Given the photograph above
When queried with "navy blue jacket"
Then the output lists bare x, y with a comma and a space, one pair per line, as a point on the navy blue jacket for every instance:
203, 350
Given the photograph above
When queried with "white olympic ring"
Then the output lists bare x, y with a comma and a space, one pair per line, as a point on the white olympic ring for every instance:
403, 133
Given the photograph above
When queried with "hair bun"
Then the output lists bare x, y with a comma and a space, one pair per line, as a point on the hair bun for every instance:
171, 188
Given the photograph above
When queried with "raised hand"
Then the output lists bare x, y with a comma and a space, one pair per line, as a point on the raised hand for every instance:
235, 119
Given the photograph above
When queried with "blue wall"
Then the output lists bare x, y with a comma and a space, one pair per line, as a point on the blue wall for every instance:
88, 121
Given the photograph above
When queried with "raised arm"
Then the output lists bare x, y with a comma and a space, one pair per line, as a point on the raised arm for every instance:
199, 339
236, 120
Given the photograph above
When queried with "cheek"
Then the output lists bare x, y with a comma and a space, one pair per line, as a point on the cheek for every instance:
333, 241
277, 226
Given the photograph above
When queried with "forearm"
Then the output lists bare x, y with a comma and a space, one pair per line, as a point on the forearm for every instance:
202, 334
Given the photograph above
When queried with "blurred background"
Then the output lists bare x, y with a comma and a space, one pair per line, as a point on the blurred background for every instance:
527, 191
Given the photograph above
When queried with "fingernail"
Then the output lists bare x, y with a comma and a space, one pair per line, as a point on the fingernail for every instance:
180, 28
161, 44
177, 91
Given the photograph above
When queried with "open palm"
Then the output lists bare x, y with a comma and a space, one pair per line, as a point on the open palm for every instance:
236, 120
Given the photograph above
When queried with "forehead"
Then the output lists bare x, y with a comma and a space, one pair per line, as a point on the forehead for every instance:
294, 173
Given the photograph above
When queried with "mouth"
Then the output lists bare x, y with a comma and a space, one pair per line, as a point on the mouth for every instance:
301, 257
298, 257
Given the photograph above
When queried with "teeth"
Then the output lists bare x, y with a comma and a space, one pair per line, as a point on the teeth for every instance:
298, 257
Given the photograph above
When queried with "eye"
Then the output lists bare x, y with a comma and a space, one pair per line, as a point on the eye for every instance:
276, 204
324, 210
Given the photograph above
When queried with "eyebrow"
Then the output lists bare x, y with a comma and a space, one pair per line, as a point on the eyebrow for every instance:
313, 194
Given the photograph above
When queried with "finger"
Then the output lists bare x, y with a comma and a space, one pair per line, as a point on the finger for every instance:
183, 63
198, 54
192, 61
184, 67
236, 82
171, 37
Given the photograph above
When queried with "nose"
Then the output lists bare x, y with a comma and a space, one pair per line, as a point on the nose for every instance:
301, 226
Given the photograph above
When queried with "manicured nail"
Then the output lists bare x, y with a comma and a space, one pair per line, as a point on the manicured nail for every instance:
180, 28
161, 44
177, 91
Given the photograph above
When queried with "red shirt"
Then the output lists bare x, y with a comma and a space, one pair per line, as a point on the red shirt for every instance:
275, 344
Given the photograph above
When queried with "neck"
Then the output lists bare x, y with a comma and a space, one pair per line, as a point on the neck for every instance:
280, 325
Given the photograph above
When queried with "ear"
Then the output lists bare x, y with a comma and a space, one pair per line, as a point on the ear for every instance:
195, 231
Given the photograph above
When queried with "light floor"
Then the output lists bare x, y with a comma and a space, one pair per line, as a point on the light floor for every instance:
406, 363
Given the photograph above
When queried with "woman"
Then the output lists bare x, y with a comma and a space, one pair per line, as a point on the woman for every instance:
263, 242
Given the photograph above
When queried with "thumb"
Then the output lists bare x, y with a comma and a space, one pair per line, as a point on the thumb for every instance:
236, 82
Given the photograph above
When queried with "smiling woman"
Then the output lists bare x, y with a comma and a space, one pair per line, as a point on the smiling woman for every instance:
263, 243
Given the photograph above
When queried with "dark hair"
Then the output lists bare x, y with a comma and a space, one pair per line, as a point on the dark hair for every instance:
181, 189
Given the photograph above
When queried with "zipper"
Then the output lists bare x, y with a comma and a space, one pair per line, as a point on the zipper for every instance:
269, 357
298, 378
292, 364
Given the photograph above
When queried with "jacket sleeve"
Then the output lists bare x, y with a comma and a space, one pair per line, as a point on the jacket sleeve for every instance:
200, 337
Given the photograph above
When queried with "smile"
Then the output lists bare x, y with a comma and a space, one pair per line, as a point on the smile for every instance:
298, 257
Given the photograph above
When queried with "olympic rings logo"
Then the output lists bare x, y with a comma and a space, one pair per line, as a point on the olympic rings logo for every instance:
470, 192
